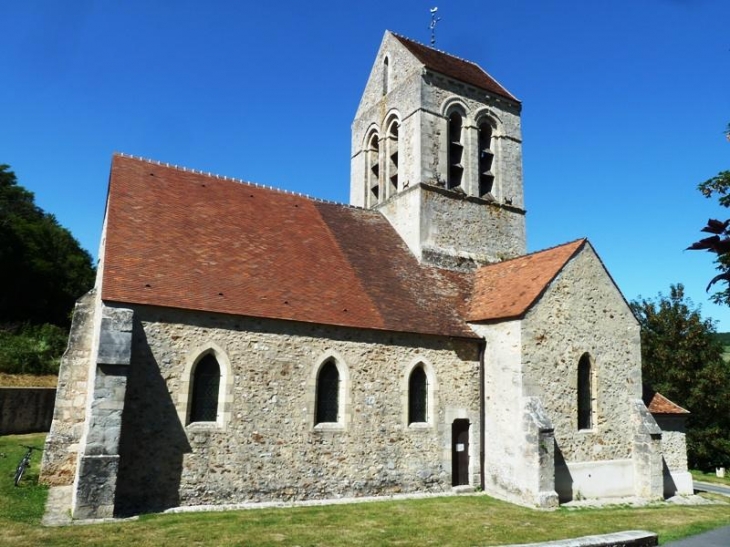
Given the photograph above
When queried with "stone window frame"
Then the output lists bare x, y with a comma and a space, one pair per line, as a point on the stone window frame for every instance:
393, 118
592, 390
225, 388
371, 157
343, 399
482, 116
451, 107
386, 77
431, 393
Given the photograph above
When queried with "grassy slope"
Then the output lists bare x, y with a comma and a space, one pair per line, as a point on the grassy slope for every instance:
469, 520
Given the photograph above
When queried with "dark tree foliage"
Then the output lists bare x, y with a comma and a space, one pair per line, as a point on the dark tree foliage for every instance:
682, 360
719, 242
44, 269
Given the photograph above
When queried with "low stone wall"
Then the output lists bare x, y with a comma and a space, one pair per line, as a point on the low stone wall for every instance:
630, 538
26, 409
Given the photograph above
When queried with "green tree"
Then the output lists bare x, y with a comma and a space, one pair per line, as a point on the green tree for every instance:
682, 359
44, 269
719, 242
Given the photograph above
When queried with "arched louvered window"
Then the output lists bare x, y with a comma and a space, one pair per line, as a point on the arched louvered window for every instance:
455, 150
392, 155
486, 159
585, 393
418, 396
372, 172
328, 394
206, 384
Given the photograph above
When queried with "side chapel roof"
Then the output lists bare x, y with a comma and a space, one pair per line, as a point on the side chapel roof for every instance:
657, 403
508, 289
184, 239
459, 69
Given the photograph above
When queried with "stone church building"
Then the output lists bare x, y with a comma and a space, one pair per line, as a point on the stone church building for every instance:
247, 344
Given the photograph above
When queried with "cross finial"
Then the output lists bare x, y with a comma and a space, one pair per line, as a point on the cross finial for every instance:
432, 26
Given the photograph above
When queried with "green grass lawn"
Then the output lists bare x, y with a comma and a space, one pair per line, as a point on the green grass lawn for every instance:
447, 521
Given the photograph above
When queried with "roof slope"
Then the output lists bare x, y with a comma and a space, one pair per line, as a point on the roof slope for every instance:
657, 403
508, 289
459, 69
183, 239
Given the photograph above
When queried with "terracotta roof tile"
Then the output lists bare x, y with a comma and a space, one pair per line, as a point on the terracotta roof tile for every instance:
659, 404
183, 239
508, 289
459, 69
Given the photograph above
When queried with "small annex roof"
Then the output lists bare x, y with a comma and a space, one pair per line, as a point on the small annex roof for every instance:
507, 290
454, 67
657, 403
184, 239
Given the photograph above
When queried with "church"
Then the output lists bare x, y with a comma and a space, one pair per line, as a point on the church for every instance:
247, 344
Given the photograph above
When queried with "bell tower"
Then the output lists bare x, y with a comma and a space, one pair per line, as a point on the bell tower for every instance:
437, 148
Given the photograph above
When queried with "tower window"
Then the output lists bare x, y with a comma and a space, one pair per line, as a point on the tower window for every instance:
328, 390
417, 396
455, 151
486, 159
373, 171
585, 393
206, 383
392, 154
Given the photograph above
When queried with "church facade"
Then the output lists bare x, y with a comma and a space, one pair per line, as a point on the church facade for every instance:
246, 344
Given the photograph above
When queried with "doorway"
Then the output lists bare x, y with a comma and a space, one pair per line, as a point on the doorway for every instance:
460, 453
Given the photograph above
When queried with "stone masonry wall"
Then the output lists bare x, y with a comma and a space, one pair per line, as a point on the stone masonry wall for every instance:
674, 445
265, 445
26, 409
58, 467
582, 311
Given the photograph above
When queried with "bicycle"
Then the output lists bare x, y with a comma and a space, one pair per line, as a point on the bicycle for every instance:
24, 463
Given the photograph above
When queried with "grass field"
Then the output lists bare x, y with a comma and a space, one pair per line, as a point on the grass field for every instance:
448, 521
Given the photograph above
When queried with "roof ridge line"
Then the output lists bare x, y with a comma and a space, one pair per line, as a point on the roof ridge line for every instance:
439, 50
583, 239
234, 179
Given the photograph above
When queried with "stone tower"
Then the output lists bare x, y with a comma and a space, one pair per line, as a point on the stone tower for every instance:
437, 148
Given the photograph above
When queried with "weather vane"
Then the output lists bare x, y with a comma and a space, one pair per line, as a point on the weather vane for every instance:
432, 26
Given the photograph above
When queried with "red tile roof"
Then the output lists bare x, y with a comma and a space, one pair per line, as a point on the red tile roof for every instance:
183, 239
459, 69
659, 404
508, 289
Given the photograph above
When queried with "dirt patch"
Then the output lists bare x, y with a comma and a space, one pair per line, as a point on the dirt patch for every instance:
28, 380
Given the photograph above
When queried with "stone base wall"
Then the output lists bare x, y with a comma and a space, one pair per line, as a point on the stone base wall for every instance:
265, 445
26, 410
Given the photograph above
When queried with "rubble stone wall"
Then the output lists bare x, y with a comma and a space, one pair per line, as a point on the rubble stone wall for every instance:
267, 446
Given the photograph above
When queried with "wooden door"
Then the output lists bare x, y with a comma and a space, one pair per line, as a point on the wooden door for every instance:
460, 452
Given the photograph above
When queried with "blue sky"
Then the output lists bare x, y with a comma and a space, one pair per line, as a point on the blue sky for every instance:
624, 106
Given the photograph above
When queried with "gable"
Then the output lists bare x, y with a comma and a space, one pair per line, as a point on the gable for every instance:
182, 239
454, 67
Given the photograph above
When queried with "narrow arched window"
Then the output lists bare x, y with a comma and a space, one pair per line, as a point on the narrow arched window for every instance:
418, 396
392, 154
328, 393
585, 393
386, 76
206, 384
455, 151
486, 158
